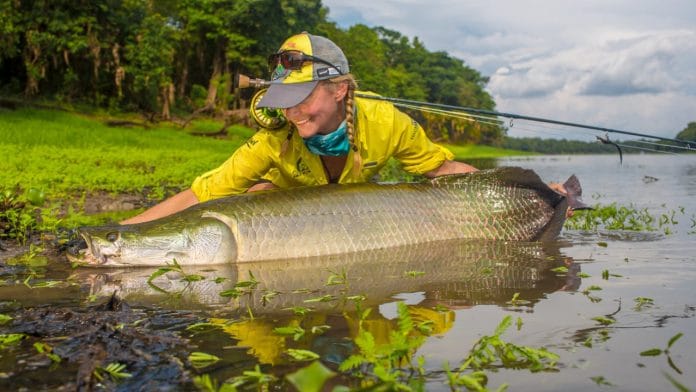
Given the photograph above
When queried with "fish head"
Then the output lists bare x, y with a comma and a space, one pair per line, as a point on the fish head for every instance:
110, 246
157, 243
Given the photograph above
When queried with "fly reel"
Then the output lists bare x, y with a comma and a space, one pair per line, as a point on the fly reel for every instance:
268, 118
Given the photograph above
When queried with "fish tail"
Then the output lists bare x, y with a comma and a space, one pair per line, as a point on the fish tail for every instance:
574, 194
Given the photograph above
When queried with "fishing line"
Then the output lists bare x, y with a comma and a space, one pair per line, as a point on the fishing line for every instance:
464, 116
547, 131
522, 117
662, 145
646, 149
491, 120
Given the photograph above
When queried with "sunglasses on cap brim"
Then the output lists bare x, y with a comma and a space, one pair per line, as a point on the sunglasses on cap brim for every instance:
294, 60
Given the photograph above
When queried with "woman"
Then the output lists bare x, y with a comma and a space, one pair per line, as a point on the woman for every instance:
331, 136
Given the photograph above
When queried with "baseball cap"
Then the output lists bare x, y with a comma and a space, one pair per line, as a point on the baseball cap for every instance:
298, 66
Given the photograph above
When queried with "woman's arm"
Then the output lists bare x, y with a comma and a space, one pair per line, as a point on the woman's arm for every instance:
176, 203
450, 167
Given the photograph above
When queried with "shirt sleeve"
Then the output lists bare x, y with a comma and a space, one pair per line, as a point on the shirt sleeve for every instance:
243, 169
416, 152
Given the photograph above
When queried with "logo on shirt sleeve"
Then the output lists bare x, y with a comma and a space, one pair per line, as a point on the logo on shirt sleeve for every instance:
251, 142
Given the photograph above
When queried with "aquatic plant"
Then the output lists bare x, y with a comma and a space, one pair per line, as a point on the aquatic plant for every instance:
113, 370
616, 217
200, 360
381, 363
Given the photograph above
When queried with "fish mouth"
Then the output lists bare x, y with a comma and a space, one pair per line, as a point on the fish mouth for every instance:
89, 255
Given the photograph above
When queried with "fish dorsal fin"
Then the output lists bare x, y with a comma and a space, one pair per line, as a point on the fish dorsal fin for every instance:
513, 176
519, 177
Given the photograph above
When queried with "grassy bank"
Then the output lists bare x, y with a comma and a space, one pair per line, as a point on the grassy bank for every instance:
58, 159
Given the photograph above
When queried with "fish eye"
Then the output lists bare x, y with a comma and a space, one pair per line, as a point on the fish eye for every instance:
112, 236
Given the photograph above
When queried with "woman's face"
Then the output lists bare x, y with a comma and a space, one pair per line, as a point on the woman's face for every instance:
321, 112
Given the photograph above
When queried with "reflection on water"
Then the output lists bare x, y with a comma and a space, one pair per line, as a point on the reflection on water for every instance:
321, 299
454, 273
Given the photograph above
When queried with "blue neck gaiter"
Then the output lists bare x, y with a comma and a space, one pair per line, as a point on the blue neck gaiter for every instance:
334, 144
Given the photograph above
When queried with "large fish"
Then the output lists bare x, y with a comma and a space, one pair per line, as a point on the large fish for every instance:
497, 204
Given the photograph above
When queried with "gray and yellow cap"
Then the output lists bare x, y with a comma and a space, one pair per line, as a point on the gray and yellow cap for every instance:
290, 87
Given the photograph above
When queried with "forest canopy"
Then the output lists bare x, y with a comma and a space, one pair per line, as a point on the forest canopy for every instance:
167, 58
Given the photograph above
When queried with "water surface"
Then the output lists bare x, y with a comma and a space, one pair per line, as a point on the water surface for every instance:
460, 290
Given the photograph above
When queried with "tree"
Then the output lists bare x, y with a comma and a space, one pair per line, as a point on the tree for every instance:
688, 133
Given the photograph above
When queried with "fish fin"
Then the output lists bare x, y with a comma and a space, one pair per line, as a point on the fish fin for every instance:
229, 222
574, 194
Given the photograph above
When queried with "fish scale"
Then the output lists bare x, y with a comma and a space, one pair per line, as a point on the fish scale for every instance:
497, 204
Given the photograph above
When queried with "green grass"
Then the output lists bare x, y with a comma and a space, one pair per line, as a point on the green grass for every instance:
473, 151
64, 153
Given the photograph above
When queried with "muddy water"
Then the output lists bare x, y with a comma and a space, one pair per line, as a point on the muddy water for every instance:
459, 290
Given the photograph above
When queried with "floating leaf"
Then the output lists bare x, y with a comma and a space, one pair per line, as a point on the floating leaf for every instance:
158, 273
604, 320
12, 338
233, 293
113, 370
300, 310
560, 270
4, 319
302, 355
310, 378
674, 339
193, 278
325, 298
653, 352
200, 360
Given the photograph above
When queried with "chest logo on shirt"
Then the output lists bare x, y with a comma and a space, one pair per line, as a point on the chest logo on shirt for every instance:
301, 168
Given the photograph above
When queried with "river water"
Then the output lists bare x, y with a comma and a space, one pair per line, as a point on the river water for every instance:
588, 312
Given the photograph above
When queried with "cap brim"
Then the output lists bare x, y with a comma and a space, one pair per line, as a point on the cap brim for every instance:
286, 95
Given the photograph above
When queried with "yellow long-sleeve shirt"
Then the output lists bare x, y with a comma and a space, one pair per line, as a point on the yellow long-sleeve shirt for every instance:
382, 131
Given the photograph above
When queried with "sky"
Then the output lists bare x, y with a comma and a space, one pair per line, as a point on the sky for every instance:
620, 64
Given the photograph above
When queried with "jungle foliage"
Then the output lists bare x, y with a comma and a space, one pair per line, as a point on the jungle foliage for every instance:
169, 59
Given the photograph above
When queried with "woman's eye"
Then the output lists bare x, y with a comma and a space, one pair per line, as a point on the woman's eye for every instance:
112, 237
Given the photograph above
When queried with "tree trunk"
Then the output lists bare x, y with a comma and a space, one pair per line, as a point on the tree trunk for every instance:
214, 81
167, 92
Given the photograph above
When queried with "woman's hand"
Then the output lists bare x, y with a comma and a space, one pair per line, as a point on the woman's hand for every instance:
450, 167
559, 188
261, 186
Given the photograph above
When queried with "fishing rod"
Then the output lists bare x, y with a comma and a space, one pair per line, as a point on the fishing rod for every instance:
272, 117
419, 104
495, 121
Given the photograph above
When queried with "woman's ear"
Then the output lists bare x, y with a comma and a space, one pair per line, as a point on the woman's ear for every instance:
341, 91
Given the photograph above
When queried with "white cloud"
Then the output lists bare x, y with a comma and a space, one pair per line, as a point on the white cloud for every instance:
618, 64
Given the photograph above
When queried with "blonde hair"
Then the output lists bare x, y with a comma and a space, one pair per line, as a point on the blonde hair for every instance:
350, 119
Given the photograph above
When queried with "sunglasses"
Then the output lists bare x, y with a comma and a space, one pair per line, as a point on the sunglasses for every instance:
294, 59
